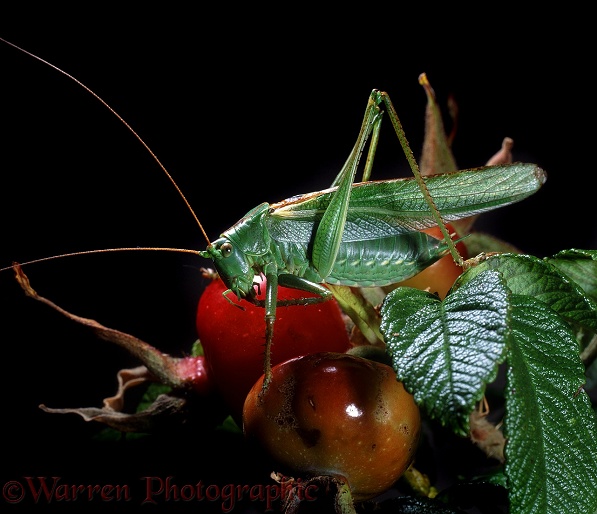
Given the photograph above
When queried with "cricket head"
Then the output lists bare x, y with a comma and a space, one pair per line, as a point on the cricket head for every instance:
233, 266
237, 251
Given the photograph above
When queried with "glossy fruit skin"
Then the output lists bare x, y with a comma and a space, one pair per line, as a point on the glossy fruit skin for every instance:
336, 414
233, 339
440, 276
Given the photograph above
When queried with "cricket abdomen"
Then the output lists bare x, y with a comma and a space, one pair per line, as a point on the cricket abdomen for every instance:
385, 261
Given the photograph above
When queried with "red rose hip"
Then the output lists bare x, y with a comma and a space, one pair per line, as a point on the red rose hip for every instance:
233, 339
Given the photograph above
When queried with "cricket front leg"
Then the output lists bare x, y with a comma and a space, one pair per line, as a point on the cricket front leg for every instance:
267, 357
271, 301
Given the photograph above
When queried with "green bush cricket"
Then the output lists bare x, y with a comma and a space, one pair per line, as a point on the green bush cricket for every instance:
352, 234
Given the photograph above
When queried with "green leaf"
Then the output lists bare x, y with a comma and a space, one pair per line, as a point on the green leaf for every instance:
446, 352
580, 266
151, 394
229, 425
197, 349
531, 276
551, 453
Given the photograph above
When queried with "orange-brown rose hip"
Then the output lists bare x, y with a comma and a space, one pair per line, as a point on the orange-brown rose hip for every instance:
336, 414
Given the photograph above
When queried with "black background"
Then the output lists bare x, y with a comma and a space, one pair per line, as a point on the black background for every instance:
240, 110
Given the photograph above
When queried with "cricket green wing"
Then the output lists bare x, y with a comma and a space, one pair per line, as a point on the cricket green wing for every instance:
389, 207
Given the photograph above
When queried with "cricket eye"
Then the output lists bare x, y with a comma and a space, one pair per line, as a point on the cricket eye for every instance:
226, 249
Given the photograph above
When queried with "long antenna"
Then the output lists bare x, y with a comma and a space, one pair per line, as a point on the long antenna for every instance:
97, 97
103, 250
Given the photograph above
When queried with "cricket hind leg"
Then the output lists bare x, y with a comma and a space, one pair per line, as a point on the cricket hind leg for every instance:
381, 97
